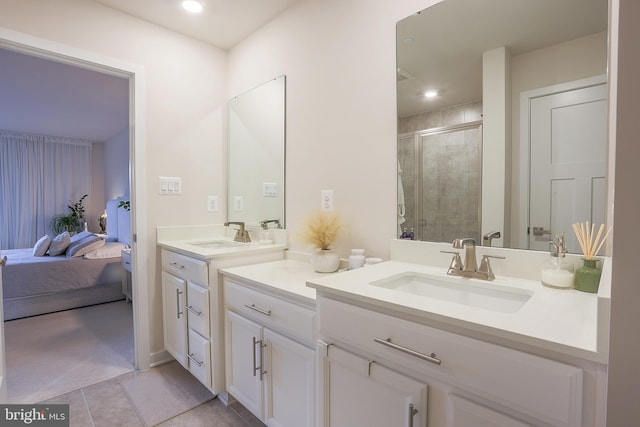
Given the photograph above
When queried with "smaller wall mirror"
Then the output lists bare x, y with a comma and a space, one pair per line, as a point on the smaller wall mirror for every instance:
256, 154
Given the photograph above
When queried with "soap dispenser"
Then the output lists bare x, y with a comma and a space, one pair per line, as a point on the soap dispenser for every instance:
557, 272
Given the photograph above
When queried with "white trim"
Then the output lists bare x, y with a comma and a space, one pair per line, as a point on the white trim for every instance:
48, 49
525, 143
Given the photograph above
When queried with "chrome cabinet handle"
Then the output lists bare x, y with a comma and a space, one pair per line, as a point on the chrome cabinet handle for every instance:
429, 358
176, 265
255, 357
193, 310
193, 359
412, 412
257, 368
259, 310
178, 293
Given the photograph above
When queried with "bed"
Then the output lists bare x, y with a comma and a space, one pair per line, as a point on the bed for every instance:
34, 285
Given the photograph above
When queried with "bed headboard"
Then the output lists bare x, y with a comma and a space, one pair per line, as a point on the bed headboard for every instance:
118, 221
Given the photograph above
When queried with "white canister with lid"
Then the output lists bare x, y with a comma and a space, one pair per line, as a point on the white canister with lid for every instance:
356, 259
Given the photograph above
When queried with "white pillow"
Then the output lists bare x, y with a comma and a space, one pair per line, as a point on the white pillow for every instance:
41, 246
82, 246
109, 250
59, 244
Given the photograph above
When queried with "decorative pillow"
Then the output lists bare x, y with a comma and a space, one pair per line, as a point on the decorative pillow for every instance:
109, 250
82, 246
41, 246
79, 236
59, 244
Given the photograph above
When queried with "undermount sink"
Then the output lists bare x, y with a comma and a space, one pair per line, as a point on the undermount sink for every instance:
485, 295
216, 244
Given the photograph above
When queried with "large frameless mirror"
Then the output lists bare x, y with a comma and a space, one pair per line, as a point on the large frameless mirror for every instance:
256, 170
502, 118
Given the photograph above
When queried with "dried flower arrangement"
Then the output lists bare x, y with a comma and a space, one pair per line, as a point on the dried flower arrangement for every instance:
322, 228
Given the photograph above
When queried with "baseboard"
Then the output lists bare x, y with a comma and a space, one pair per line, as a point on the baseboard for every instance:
160, 358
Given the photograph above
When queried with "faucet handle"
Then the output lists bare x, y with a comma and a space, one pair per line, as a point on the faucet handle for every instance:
456, 262
485, 266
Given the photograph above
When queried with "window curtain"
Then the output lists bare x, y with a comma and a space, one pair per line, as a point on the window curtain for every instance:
40, 176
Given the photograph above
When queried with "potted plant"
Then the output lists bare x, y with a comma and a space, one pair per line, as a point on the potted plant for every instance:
71, 222
321, 230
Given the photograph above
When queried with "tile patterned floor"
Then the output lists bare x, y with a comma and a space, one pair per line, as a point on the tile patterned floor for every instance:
105, 404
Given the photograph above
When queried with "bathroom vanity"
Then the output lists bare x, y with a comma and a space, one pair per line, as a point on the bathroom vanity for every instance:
401, 343
192, 294
270, 335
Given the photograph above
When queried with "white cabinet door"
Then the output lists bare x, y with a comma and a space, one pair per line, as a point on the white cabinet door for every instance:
289, 382
175, 320
464, 413
244, 356
363, 393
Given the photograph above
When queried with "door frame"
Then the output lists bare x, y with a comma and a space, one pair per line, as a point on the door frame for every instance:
524, 143
47, 49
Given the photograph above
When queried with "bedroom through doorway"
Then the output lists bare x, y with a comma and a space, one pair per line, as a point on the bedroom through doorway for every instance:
116, 180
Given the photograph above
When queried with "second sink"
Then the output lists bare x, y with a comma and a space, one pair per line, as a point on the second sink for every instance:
489, 296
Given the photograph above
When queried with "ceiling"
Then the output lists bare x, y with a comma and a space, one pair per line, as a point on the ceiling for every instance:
45, 97
222, 23
450, 37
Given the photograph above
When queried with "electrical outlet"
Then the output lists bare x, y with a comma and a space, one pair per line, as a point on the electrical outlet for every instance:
212, 203
326, 200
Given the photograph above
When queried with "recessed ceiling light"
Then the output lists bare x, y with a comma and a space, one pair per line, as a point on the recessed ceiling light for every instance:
431, 94
192, 6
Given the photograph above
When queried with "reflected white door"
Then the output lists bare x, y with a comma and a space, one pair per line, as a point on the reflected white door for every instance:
568, 132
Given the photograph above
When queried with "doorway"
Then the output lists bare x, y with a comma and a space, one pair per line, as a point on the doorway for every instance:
135, 74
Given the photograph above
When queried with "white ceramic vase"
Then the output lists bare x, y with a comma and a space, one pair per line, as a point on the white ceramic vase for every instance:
325, 261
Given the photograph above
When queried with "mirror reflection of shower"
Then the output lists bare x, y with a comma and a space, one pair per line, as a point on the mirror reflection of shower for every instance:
440, 175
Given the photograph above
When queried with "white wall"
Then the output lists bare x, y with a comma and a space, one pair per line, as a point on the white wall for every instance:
624, 375
185, 98
339, 59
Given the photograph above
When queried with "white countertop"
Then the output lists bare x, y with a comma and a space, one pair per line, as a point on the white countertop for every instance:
187, 247
557, 320
286, 277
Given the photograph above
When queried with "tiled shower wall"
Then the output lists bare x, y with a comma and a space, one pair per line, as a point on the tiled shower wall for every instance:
441, 174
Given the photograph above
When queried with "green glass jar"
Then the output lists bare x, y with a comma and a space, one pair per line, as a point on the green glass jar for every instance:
587, 277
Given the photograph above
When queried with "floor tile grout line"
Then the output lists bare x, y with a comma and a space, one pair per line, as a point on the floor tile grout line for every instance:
133, 405
86, 405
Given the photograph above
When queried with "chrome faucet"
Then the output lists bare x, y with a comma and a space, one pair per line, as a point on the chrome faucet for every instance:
470, 267
265, 223
487, 238
242, 235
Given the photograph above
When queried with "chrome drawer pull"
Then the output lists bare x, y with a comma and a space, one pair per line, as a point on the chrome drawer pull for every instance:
194, 360
429, 358
176, 265
412, 412
259, 310
193, 310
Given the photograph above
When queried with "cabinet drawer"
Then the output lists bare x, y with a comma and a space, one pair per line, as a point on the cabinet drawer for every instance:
285, 317
199, 356
546, 389
197, 309
185, 267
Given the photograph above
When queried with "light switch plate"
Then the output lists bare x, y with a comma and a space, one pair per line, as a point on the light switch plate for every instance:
212, 203
238, 203
170, 185
269, 189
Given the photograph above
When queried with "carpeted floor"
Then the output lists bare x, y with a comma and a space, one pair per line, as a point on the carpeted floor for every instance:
56, 353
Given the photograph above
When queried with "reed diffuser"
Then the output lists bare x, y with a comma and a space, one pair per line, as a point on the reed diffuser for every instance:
587, 277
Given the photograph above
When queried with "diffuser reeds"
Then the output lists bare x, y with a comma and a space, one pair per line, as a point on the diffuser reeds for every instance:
590, 243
